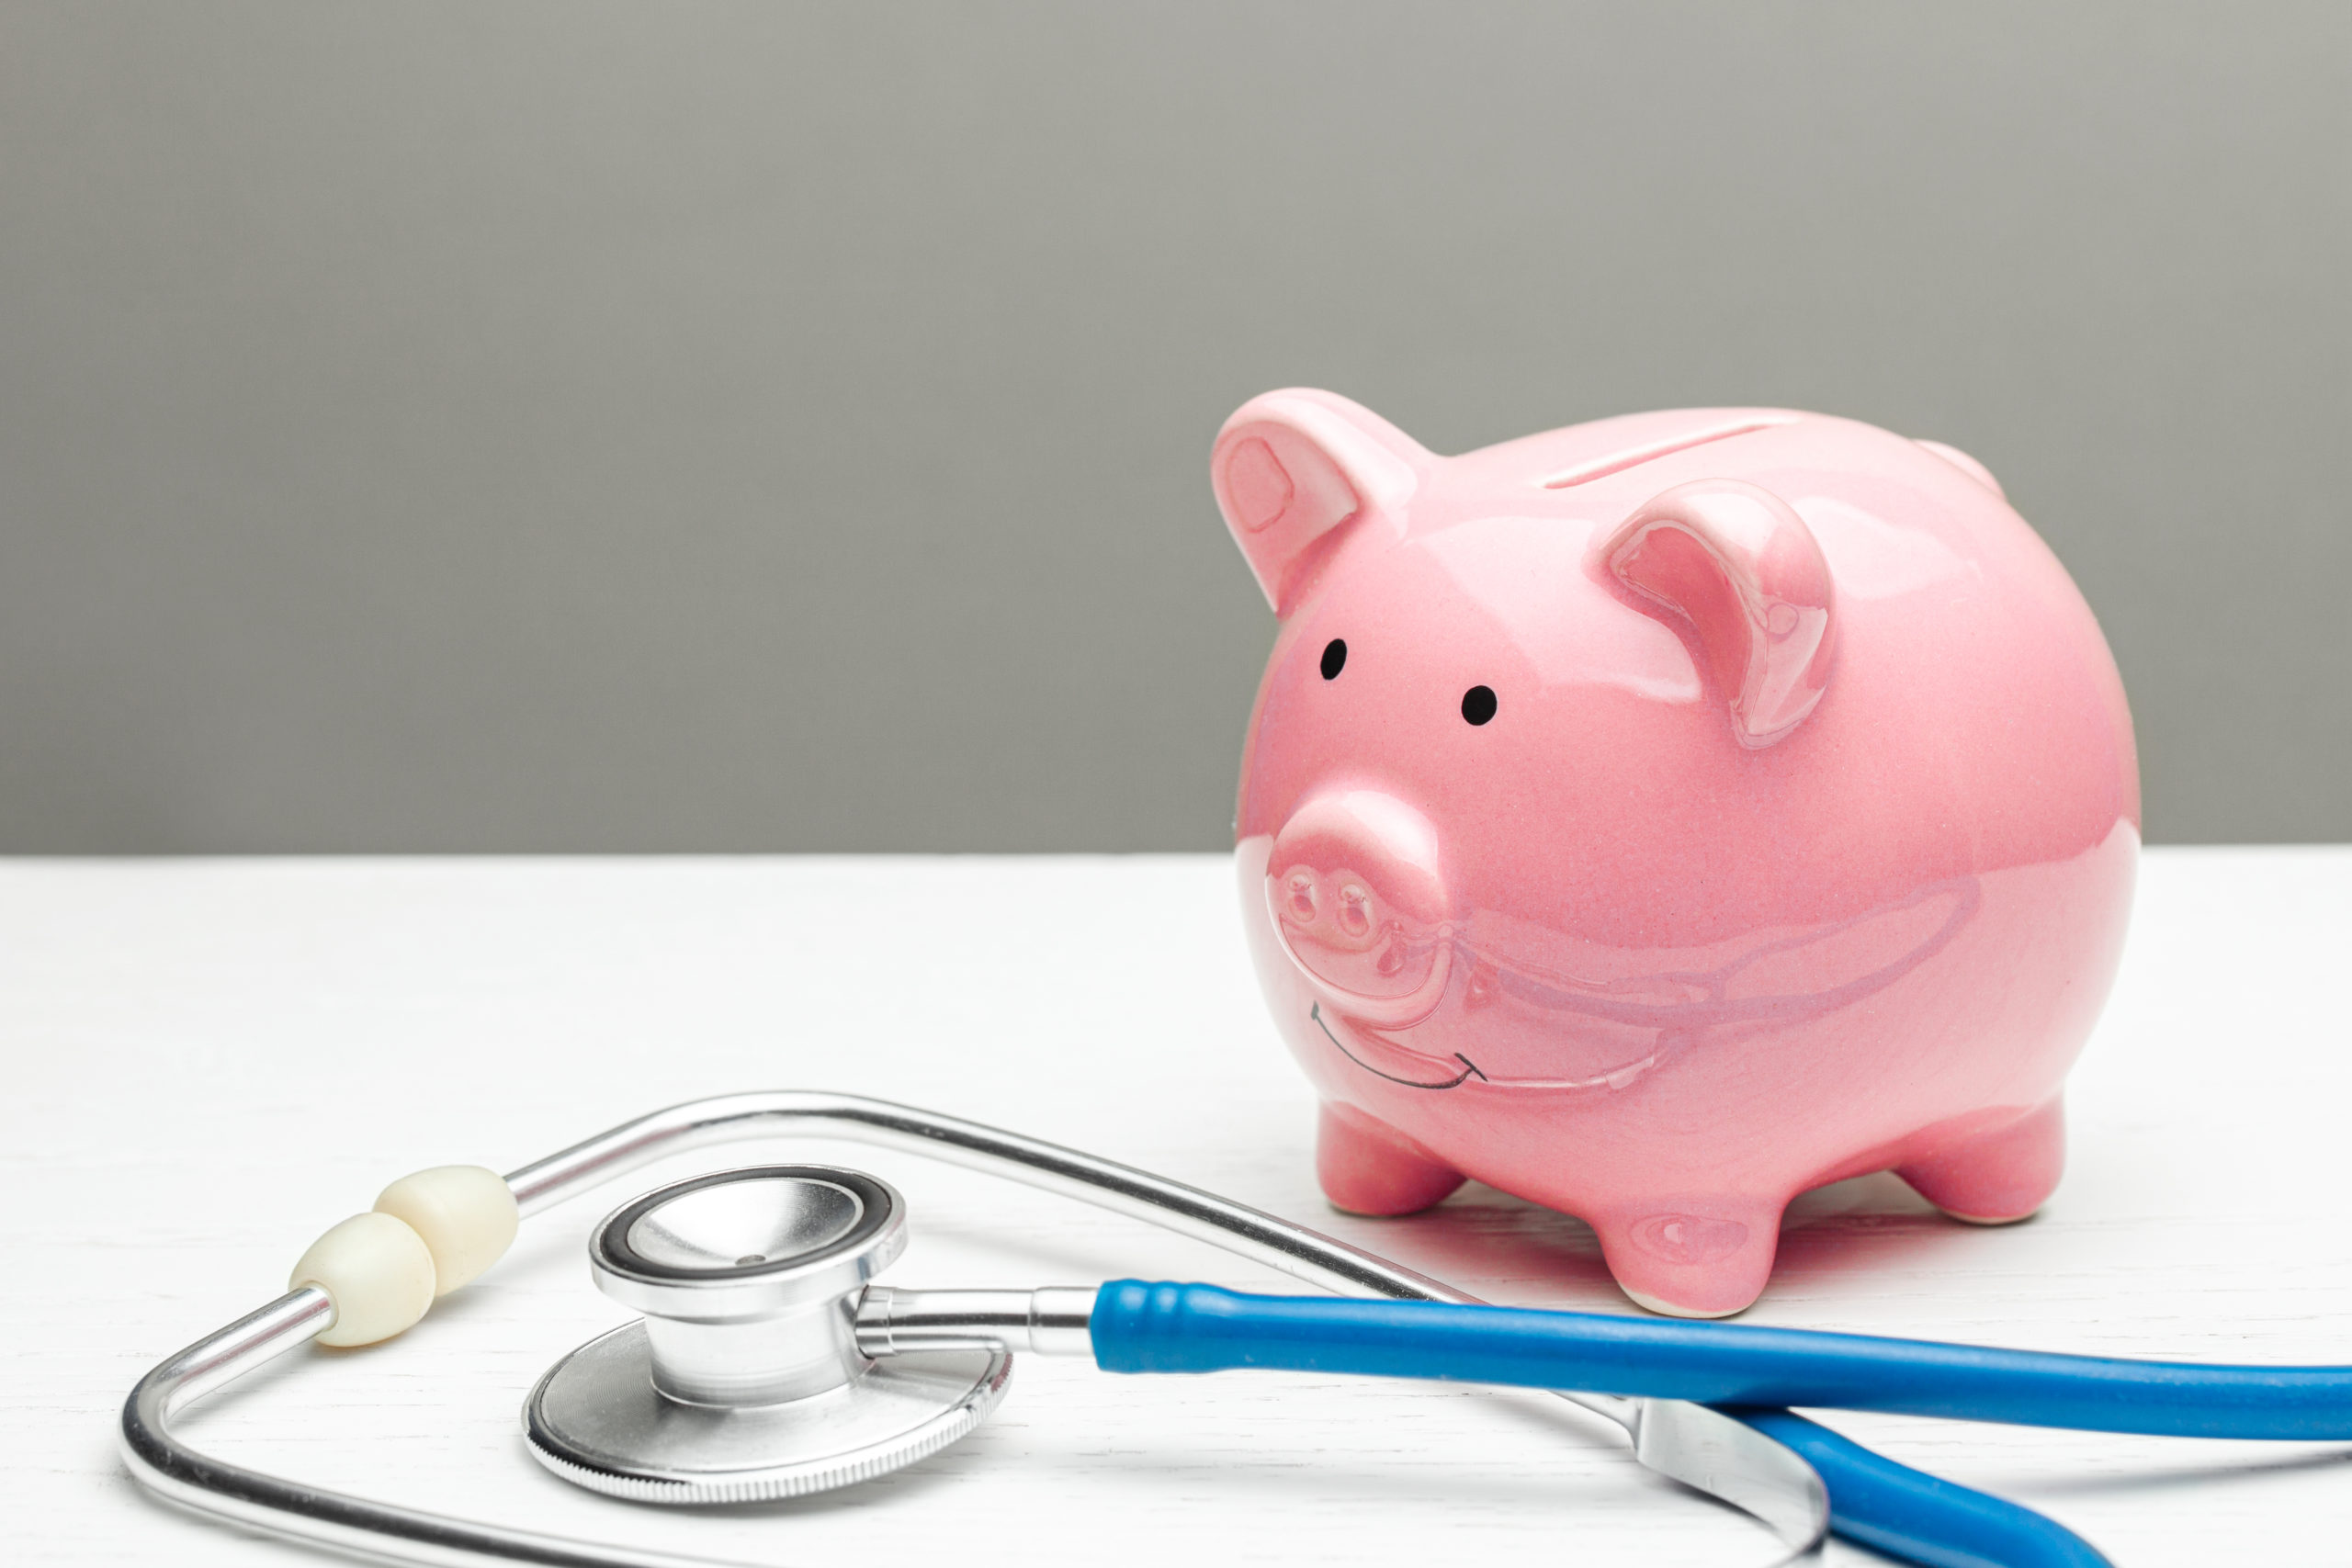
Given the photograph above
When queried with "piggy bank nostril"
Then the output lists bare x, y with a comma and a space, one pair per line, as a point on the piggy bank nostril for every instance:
1355, 910
1298, 894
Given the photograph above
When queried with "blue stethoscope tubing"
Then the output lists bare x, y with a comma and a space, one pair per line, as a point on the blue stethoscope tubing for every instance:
1749, 1372
1909, 1514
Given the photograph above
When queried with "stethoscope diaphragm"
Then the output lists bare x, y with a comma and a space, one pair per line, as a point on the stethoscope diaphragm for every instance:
743, 1381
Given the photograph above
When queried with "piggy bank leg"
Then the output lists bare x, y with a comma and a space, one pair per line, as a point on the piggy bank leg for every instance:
1991, 1179
1368, 1167
1697, 1257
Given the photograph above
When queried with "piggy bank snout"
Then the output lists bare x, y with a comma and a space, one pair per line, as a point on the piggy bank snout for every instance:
1357, 896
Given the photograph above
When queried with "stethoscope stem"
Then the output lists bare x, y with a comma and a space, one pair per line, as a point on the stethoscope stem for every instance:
1053, 1321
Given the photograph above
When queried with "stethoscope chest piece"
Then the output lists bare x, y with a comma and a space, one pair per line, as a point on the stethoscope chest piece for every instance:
743, 1381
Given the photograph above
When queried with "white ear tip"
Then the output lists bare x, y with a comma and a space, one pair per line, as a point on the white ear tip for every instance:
378, 1272
465, 1214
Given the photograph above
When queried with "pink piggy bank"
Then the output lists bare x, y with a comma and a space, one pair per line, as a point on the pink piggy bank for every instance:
1661, 816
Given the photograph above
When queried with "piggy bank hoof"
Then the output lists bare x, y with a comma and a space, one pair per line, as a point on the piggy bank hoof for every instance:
1665, 1308
1993, 1176
1707, 1259
1368, 1167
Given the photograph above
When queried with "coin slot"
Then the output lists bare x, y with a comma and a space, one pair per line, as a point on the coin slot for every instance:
1618, 462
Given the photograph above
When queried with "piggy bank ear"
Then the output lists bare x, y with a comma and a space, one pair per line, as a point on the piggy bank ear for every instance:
1966, 465
1290, 467
1742, 569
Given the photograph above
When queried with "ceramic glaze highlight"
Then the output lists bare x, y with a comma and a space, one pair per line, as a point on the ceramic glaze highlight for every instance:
1791, 836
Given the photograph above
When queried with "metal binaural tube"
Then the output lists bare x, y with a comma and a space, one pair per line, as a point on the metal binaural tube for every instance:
254, 1340
165, 1464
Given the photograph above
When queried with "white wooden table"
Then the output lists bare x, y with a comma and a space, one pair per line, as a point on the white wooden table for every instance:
209, 1062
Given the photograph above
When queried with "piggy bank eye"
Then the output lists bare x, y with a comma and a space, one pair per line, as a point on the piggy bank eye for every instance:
1478, 703
1335, 658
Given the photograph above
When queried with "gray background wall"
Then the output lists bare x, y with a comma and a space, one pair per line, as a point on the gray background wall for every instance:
562, 427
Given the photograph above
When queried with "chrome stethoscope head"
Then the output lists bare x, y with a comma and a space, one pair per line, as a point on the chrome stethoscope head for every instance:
744, 1379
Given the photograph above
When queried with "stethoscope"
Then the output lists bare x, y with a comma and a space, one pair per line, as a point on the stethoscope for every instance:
768, 1365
